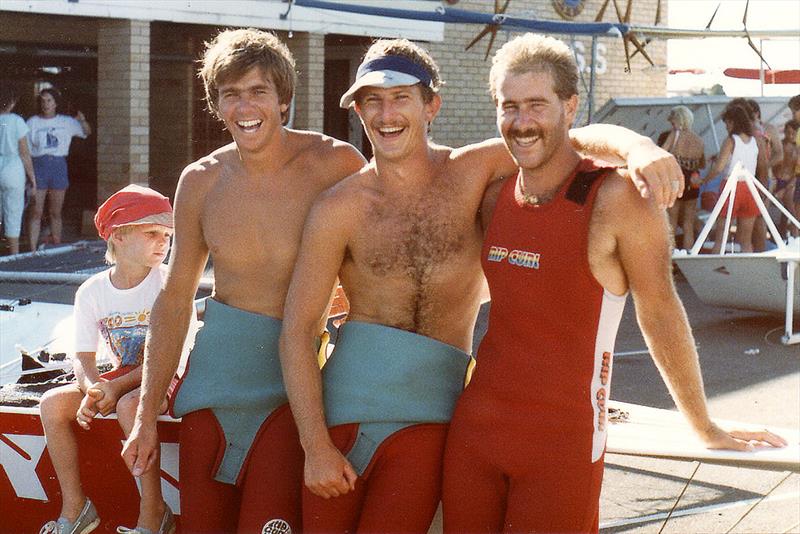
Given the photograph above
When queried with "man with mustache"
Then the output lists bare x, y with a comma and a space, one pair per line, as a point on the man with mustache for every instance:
403, 235
527, 439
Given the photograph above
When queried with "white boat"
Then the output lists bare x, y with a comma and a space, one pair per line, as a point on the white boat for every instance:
767, 281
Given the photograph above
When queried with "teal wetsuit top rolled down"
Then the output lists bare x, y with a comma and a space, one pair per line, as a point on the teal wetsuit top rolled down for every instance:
234, 371
388, 379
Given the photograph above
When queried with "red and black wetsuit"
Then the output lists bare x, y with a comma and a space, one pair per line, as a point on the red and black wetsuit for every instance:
526, 443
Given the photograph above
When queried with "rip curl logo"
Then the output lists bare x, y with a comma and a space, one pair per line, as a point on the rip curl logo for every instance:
520, 258
276, 526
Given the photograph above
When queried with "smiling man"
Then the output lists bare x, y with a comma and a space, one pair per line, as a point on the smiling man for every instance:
404, 237
244, 206
527, 440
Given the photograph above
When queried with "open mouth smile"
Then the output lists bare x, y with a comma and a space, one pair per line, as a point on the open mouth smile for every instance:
250, 125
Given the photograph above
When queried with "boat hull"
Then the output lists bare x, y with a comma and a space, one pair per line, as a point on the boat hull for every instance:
29, 489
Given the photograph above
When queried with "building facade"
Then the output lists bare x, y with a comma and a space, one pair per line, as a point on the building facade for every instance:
130, 67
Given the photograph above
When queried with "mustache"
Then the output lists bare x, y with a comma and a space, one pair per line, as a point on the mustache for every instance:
530, 132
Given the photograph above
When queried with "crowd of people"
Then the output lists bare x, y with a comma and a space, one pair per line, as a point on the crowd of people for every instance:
33, 165
278, 437
759, 149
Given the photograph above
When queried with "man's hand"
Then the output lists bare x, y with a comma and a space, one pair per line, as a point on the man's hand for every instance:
328, 473
88, 408
742, 440
141, 448
106, 395
655, 173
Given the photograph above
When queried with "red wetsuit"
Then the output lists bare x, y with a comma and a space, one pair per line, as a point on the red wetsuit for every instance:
526, 442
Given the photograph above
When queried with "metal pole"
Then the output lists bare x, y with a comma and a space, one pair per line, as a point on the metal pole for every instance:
761, 64
713, 126
591, 78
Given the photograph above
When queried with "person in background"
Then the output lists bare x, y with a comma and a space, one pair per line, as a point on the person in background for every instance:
787, 175
15, 168
50, 136
768, 132
689, 149
112, 314
742, 147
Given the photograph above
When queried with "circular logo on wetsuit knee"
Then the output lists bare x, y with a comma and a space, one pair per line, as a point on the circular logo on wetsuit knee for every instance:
276, 526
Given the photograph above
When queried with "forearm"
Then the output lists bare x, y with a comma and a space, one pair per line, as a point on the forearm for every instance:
27, 162
606, 141
128, 381
169, 322
303, 381
86, 127
669, 338
84, 366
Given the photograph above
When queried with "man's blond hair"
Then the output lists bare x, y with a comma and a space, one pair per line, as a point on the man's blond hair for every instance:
536, 53
230, 54
414, 53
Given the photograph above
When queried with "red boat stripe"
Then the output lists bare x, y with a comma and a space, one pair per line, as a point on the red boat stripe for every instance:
169, 478
16, 447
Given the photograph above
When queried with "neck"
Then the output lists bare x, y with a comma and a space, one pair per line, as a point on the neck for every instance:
125, 275
267, 159
405, 172
540, 185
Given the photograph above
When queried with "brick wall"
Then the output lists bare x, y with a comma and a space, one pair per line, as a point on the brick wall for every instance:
309, 54
123, 48
467, 115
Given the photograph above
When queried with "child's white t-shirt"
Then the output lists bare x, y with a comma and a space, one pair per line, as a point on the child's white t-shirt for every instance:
113, 322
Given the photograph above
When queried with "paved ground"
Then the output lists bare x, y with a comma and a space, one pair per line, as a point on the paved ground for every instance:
749, 377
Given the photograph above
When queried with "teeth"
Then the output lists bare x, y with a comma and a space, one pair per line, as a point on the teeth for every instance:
248, 124
526, 140
390, 130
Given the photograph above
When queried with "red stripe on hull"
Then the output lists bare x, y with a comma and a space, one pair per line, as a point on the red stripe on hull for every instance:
106, 479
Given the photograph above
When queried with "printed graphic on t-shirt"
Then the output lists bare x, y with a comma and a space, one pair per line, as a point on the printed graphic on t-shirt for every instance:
51, 140
124, 334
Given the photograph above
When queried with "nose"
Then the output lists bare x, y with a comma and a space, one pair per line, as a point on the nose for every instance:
388, 111
524, 118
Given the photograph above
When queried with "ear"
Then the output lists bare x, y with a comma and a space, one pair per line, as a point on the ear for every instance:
432, 108
116, 237
284, 108
571, 108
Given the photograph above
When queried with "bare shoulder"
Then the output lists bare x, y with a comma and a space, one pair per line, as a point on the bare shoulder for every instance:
476, 151
200, 176
328, 156
343, 204
619, 202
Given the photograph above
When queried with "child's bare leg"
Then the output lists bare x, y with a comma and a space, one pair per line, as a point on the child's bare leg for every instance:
58, 409
151, 506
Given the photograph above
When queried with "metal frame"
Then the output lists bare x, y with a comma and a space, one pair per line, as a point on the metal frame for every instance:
788, 250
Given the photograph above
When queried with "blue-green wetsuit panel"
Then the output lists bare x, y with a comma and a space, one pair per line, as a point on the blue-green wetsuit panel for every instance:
235, 371
387, 379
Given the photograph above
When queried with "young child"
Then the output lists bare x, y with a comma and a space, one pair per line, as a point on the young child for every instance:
112, 313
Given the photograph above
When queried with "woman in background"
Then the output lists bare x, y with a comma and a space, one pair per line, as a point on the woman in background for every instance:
688, 148
15, 166
50, 136
739, 147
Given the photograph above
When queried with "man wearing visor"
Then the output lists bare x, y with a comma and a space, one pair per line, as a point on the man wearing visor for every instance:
403, 235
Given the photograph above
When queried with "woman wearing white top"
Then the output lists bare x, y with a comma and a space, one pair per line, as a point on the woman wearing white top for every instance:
50, 136
739, 147
15, 165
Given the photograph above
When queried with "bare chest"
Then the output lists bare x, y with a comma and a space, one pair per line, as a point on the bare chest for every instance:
255, 225
416, 239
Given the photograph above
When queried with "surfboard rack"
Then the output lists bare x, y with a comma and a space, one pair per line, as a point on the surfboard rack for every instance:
765, 281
